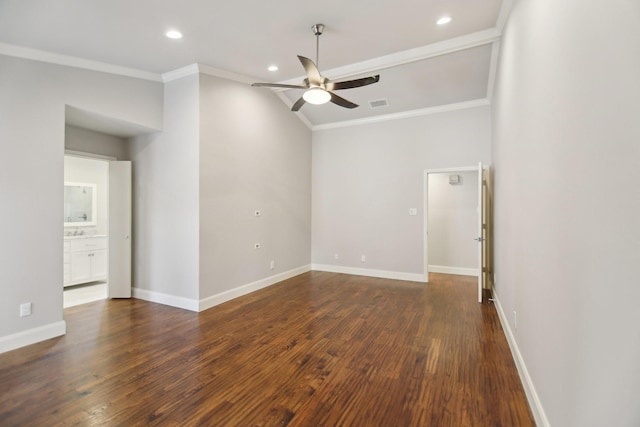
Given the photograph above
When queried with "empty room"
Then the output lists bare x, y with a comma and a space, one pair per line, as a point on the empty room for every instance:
320, 213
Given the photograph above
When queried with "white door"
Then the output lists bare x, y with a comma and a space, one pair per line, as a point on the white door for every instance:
119, 229
480, 237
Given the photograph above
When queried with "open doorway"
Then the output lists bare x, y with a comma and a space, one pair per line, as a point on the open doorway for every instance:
86, 229
454, 223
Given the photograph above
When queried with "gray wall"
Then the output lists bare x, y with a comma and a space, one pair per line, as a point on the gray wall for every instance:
254, 155
166, 180
32, 122
88, 141
567, 205
227, 150
366, 178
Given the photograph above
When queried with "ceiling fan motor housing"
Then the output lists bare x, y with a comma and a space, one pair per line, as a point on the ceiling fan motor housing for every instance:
318, 29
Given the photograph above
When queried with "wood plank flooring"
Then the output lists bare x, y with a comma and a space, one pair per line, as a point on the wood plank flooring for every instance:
321, 349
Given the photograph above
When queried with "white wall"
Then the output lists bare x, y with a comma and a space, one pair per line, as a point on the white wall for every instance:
453, 223
254, 155
32, 121
366, 178
166, 217
566, 155
90, 171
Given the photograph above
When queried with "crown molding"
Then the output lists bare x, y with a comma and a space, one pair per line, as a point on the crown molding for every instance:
215, 72
75, 62
408, 56
493, 67
405, 115
180, 73
503, 15
208, 70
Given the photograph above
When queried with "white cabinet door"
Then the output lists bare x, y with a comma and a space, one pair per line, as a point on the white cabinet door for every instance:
99, 265
80, 267
88, 260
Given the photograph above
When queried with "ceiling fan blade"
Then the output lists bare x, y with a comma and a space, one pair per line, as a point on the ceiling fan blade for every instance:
312, 71
299, 103
353, 83
278, 85
341, 101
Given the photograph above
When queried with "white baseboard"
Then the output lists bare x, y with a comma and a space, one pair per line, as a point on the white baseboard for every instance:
32, 336
213, 300
225, 296
395, 275
453, 270
529, 389
166, 299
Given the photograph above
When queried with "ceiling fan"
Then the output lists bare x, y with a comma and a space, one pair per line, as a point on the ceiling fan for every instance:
320, 89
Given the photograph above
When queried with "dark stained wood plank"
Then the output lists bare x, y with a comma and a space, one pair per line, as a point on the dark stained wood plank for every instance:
320, 349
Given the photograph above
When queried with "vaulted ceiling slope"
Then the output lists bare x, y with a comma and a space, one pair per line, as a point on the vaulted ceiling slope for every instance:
423, 66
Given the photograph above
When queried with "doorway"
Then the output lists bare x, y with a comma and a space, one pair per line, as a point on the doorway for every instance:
85, 229
97, 244
454, 222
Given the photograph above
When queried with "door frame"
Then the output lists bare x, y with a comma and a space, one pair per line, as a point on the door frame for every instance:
425, 228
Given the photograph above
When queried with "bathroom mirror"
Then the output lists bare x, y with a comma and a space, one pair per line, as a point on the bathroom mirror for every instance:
80, 204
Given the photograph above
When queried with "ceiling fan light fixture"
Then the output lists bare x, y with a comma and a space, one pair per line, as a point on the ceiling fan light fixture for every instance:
317, 96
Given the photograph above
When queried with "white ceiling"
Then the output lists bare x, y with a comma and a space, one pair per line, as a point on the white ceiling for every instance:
421, 65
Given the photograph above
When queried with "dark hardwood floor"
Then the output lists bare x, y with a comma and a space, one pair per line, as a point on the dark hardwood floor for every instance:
321, 349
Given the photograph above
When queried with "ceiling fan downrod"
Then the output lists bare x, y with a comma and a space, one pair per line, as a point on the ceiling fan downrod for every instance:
317, 31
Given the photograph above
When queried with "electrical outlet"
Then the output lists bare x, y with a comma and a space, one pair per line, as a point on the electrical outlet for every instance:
257, 246
363, 258
413, 211
336, 256
273, 264
25, 309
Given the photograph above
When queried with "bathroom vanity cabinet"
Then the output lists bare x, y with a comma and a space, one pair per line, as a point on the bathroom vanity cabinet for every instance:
85, 259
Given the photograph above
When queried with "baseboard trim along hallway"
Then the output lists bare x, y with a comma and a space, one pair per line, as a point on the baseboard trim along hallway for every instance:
527, 383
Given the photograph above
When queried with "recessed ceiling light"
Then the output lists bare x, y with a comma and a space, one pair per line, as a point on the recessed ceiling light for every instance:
273, 68
443, 20
173, 34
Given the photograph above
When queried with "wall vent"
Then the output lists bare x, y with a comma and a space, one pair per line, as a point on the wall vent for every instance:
378, 103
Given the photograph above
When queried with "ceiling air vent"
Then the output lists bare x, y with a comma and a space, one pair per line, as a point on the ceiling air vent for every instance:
378, 103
